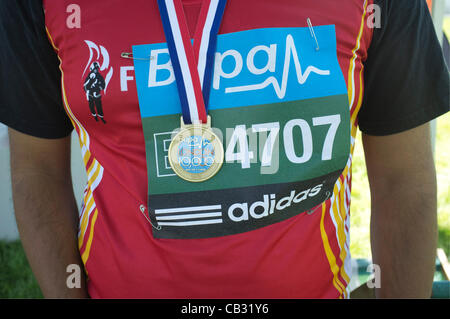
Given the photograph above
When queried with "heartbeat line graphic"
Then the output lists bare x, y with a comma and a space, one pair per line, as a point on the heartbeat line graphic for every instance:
281, 90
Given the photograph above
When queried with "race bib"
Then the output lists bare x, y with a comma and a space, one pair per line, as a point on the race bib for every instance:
281, 109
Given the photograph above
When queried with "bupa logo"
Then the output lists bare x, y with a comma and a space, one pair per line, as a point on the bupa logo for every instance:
253, 67
269, 205
262, 60
259, 60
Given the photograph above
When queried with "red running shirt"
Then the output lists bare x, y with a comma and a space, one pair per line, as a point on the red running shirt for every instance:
303, 256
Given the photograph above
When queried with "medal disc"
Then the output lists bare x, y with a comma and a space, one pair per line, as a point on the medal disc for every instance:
196, 153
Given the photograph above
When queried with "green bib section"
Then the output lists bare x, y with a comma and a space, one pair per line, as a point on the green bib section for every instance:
293, 126
292, 149
280, 108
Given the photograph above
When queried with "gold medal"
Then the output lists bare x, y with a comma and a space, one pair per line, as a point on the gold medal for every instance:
196, 152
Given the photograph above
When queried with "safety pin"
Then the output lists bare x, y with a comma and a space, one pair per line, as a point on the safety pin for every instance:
142, 209
311, 211
313, 34
128, 55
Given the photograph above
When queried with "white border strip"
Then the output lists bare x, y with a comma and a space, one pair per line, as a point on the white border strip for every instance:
190, 216
204, 44
185, 71
187, 209
201, 222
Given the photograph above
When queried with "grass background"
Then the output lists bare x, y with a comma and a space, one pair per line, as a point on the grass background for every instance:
16, 277
17, 280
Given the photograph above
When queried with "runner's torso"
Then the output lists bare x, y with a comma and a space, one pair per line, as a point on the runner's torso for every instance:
305, 255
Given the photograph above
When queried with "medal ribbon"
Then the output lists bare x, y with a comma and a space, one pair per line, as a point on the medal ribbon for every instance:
192, 64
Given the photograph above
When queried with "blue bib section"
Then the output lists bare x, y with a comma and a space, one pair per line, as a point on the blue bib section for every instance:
253, 67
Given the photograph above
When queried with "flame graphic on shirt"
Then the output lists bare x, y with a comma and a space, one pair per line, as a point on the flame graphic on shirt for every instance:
102, 56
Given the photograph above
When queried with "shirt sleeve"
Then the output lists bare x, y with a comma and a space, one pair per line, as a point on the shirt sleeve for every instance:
406, 78
30, 89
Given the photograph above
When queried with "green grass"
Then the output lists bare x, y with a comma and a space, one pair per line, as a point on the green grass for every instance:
447, 27
443, 176
16, 278
360, 205
443, 171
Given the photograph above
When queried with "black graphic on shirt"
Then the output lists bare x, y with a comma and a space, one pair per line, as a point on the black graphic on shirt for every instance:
94, 84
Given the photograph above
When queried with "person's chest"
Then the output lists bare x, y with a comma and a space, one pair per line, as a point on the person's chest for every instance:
266, 54
102, 30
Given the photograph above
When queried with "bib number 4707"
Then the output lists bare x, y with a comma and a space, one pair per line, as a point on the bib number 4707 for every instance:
238, 149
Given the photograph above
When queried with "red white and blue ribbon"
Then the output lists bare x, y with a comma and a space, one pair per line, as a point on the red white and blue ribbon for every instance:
192, 64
